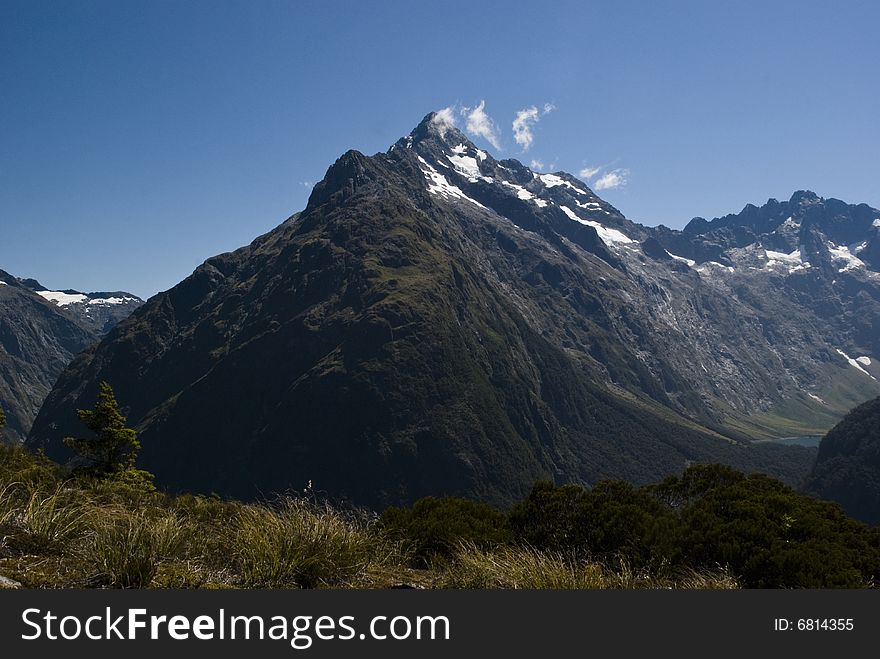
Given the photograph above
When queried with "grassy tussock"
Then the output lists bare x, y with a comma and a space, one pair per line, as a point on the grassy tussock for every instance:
124, 548
300, 544
528, 568
37, 520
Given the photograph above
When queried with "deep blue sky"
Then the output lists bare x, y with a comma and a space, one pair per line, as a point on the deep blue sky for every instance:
139, 138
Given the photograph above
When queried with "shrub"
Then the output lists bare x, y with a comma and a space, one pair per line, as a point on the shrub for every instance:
551, 517
436, 526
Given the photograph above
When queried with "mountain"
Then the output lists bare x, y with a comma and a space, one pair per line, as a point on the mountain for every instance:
98, 311
439, 321
847, 468
802, 278
40, 333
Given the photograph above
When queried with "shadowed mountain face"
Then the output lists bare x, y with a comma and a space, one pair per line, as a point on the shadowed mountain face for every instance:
847, 468
436, 321
40, 332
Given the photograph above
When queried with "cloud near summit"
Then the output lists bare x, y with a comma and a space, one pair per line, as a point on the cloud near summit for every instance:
481, 124
478, 123
616, 178
524, 123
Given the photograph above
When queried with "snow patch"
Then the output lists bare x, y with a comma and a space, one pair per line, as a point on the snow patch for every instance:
438, 185
876, 223
816, 398
690, 263
843, 255
62, 299
794, 261
467, 166
521, 192
794, 257
854, 363
110, 300
708, 265
864, 361
460, 149
570, 213
608, 236
790, 223
551, 181
3, 283
481, 154
524, 194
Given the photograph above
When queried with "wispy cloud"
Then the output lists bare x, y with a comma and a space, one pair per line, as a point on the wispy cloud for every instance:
443, 120
481, 124
537, 165
589, 172
307, 184
616, 178
525, 121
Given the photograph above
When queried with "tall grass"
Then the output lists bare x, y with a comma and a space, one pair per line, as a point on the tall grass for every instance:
520, 568
38, 521
125, 548
295, 543
517, 567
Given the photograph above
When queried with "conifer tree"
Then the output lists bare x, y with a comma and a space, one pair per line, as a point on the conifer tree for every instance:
114, 447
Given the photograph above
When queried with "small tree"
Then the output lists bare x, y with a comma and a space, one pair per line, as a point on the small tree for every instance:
114, 448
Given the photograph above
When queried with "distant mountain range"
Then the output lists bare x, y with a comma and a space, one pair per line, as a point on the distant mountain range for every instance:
40, 332
439, 321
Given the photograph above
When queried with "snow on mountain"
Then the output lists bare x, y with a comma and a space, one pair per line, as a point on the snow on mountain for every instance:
62, 299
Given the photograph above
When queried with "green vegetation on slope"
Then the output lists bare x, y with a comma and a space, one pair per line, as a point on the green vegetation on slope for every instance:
711, 528
848, 465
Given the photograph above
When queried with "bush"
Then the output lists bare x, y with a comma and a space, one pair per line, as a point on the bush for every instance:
435, 527
551, 517
767, 533
614, 519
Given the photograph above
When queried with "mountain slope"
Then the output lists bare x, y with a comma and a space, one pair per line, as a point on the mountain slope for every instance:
847, 468
36, 343
435, 321
40, 332
806, 295
98, 311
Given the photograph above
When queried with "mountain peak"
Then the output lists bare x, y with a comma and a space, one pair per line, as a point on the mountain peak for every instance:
801, 197
438, 125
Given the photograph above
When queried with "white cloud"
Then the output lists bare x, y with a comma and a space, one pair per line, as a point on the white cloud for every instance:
307, 184
443, 120
537, 165
524, 121
522, 127
616, 178
588, 172
480, 124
